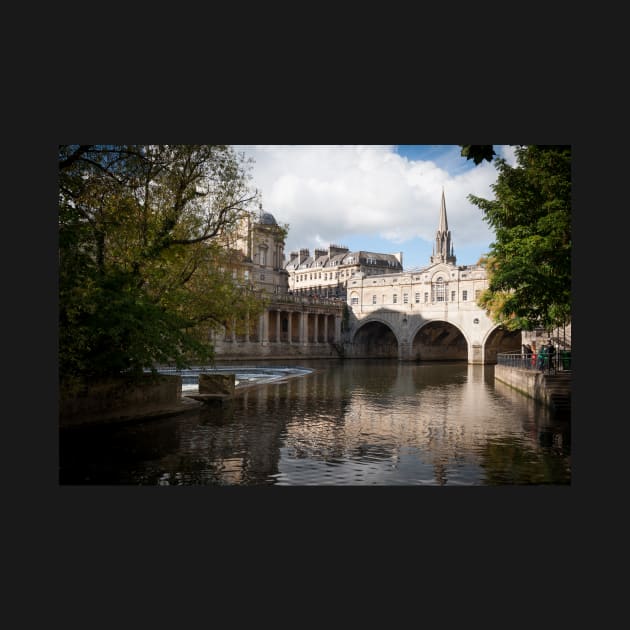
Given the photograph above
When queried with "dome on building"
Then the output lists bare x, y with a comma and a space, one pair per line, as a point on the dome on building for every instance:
268, 219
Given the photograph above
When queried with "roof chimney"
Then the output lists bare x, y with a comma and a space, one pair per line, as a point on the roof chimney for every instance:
333, 250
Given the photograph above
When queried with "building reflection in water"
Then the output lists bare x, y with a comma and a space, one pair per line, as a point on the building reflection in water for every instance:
347, 423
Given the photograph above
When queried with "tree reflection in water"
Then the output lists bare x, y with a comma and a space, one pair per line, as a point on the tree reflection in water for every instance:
356, 422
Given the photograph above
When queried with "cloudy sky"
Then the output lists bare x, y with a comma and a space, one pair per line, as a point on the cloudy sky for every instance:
377, 198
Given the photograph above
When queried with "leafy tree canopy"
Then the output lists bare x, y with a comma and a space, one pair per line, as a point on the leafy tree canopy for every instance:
477, 152
529, 264
144, 271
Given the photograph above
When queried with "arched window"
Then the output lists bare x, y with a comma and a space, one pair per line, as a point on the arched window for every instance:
354, 298
439, 290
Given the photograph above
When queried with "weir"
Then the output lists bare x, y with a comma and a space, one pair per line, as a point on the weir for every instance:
244, 375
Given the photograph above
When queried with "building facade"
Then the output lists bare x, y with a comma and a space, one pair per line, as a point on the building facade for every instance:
430, 313
441, 282
363, 304
326, 274
259, 242
291, 325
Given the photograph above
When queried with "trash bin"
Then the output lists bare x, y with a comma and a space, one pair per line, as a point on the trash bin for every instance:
566, 359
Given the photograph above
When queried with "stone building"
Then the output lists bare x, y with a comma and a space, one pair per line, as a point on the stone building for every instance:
291, 325
442, 281
429, 313
259, 242
327, 272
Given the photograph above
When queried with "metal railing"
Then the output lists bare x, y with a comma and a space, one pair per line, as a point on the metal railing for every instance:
560, 362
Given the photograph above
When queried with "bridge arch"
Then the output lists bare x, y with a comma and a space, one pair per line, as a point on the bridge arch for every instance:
500, 339
438, 340
375, 338
472, 338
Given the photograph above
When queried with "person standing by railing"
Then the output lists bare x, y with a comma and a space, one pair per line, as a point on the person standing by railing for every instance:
550, 353
542, 355
534, 354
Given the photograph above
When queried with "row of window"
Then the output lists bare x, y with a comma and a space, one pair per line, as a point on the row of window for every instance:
332, 263
318, 276
437, 296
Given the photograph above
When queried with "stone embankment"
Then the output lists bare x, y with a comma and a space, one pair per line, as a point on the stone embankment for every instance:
553, 390
115, 400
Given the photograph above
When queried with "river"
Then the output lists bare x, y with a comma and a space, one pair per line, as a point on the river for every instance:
354, 422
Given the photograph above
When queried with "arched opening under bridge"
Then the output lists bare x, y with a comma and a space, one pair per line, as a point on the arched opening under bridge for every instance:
439, 341
501, 340
375, 339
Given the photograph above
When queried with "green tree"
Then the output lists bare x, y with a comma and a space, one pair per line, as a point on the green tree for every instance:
478, 152
529, 264
144, 271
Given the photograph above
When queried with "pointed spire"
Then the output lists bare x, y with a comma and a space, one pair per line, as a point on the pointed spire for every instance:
443, 227
443, 250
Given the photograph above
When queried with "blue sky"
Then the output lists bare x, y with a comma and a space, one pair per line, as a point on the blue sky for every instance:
379, 198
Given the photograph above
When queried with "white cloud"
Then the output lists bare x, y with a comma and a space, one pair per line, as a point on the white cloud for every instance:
326, 193
508, 153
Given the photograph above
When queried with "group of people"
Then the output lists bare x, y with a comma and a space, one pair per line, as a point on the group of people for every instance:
541, 359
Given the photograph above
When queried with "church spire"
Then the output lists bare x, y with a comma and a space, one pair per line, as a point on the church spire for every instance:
443, 251
443, 226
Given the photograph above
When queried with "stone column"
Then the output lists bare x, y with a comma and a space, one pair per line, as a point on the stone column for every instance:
278, 326
263, 328
325, 328
316, 328
303, 327
290, 326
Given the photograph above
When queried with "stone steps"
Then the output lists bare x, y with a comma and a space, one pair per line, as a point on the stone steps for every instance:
558, 388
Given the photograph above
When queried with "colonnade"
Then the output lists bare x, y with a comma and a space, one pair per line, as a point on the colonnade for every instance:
292, 324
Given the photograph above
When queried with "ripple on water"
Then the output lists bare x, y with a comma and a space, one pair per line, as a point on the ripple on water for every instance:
353, 423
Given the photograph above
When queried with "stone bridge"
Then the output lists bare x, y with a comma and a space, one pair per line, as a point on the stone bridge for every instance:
433, 332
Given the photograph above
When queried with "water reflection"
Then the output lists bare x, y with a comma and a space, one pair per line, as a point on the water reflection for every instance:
347, 423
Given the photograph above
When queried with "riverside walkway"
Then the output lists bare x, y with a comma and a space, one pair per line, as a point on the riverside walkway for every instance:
547, 381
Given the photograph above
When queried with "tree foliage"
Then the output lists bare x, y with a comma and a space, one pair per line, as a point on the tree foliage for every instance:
144, 275
529, 264
478, 152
